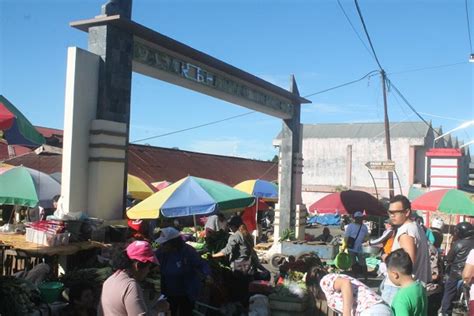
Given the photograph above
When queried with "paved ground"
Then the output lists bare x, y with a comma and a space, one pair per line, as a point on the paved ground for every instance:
372, 281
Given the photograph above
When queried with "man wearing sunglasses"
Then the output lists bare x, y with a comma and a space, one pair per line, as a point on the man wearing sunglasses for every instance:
411, 237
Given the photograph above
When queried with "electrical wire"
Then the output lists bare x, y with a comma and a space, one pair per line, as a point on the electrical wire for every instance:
410, 106
353, 27
268, 170
367, 34
248, 113
468, 25
194, 127
442, 117
372, 73
427, 68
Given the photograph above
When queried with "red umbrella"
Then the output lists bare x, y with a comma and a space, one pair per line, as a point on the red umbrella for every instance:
348, 202
249, 216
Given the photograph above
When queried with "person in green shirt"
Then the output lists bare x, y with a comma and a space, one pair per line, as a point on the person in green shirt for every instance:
411, 299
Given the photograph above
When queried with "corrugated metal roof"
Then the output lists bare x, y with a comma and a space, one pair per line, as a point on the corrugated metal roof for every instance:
362, 130
366, 130
156, 164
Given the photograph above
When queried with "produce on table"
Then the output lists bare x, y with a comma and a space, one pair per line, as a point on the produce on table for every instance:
18, 296
288, 234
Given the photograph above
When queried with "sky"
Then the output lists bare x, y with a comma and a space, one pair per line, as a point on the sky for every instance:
422, 45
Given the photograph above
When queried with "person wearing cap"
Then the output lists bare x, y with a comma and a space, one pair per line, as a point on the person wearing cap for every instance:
357, 231
182, 271
412, 238
121, 292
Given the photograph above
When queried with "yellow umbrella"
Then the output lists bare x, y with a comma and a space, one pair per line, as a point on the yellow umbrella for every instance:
137, 188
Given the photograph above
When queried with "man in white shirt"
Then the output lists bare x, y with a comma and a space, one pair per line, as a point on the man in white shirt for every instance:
357, 231
411, 237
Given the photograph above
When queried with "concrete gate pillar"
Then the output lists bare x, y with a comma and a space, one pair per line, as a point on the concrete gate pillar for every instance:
97, 117
111, 129
290, 213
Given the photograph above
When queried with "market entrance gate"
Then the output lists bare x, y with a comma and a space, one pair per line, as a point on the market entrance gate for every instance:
97, 110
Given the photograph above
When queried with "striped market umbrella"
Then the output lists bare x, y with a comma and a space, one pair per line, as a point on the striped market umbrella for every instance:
266, 190
15, 128
191, 196
449, 201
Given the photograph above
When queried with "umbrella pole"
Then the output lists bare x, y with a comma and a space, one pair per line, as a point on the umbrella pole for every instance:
450, 239
380, 226
257, 231
195, 227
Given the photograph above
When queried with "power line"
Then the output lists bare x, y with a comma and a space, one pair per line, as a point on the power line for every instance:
353, 27
427, 68
367, 33
194, 127
442, 117
268, 170
343, 85
468, 26
409, 105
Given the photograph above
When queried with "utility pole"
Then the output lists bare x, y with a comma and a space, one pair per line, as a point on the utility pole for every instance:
387, 132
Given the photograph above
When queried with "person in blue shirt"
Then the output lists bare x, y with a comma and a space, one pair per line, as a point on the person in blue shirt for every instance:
182, 271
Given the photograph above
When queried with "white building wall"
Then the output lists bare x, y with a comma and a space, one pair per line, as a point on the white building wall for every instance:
325, 162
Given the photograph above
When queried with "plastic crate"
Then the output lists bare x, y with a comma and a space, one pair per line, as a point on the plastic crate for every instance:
45, 238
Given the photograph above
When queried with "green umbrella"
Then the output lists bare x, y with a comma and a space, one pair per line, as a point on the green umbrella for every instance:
448, 201
17, 188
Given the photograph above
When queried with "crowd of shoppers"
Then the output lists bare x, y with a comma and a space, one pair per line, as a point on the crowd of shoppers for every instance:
411, 256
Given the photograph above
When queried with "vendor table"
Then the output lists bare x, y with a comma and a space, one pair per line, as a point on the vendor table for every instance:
17, 244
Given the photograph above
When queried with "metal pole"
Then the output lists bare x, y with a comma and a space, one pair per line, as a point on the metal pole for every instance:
375, 185
398, 179
387, 132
